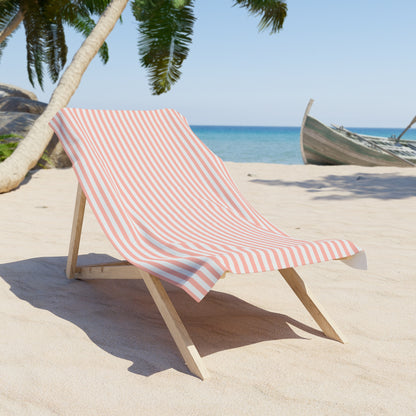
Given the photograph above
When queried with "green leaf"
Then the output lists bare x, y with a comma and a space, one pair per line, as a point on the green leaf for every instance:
6, 147
8, 10
44, 22
272, 12
165, 32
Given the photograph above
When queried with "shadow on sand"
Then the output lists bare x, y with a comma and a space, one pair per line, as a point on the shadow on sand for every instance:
120, 317
361, 185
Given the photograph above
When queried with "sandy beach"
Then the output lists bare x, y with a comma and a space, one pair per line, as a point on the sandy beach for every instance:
101, 347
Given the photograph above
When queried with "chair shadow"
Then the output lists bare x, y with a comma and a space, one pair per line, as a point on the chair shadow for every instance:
120, 316
360, 185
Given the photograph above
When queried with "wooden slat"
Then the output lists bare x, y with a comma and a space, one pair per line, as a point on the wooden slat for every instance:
314, 308
176, 328
75, 233
118, 270
381, 148
124, 270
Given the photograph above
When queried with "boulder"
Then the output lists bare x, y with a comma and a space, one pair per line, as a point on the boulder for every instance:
22, 105
18, 123
56, 156
13, 91
12, 122
19, 109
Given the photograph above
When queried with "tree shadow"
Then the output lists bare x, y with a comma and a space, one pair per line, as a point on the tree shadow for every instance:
120, 316
360, 185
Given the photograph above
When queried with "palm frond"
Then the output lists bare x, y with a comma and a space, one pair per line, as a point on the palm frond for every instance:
55, 49
2, 46
272, 12
78, 15
96, 7
8, 10
165, 29
44, 22
35, 34
84, 25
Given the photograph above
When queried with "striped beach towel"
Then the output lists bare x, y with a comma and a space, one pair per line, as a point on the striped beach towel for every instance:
168, 204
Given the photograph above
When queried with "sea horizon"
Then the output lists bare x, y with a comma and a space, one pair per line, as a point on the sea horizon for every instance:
270, 144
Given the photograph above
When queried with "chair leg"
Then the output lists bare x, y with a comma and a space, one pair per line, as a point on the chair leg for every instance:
314, 308
176, 328
75, 233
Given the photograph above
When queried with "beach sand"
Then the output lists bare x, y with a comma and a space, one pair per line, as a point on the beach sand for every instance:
101, 347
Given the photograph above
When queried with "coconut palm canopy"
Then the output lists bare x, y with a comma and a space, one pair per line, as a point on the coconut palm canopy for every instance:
166, 27
44, 22
165, 32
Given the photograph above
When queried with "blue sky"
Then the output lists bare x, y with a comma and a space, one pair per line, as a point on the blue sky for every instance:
357, 59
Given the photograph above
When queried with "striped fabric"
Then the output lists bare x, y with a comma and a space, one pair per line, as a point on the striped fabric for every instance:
168, 204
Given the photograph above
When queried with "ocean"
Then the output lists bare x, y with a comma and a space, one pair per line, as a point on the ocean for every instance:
269, 144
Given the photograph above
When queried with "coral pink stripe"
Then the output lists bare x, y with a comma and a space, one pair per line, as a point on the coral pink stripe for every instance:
169, 205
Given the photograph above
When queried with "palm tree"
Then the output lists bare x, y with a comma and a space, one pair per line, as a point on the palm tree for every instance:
44, 27
166, 29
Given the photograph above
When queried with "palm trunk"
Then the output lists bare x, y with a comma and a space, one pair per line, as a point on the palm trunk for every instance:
12, 26
14, 169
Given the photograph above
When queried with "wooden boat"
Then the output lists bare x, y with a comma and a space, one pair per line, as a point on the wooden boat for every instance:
323, 145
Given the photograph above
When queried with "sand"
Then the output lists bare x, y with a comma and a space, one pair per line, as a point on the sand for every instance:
101, 348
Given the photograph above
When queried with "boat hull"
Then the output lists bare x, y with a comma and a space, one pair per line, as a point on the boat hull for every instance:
322, 145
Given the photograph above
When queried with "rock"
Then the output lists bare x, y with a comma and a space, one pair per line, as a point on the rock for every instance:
12, 122
13, 91
56, 156
18, 111
22, 105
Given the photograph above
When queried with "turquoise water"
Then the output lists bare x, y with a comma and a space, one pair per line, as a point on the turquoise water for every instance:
268, 144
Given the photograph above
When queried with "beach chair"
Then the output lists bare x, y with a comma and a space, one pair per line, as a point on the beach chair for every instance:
172, 211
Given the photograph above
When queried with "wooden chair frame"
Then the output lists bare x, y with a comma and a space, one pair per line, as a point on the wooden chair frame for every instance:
124, 270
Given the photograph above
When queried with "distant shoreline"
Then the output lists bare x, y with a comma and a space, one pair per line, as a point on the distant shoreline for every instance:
267, 144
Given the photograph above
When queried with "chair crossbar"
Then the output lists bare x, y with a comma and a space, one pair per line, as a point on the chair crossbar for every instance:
124, 270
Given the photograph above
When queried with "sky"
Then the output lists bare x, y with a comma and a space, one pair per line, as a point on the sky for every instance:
356, 59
